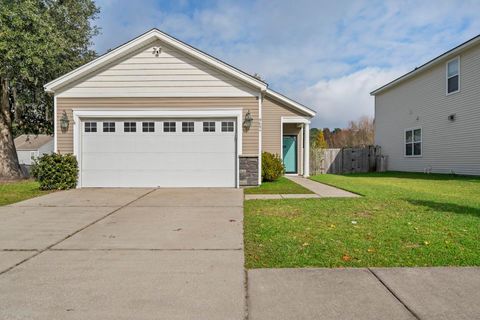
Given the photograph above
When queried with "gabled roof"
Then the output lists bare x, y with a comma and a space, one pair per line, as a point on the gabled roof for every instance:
139, 42
31, 142
154, 35
443, 57
281, 98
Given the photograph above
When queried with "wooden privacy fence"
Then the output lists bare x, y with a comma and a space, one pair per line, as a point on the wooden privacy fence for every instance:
346, 160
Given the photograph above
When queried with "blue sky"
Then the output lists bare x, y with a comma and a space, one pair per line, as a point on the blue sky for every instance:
327, 55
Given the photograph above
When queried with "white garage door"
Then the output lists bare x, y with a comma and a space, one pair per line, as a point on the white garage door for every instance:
158, 153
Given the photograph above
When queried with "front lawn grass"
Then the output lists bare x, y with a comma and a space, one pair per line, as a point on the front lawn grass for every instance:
11, 192
281, 186
403, 219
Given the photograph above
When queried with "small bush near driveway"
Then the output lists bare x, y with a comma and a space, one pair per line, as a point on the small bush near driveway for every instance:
403, 219
272, 167
56, 171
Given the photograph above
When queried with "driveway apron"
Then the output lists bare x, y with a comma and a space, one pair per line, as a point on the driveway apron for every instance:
124, 254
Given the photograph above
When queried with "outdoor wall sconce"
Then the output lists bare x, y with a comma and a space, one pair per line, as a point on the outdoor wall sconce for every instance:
64, 122
247, 123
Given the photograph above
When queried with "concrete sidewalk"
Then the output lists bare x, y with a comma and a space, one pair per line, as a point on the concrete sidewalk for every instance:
364, 294
319, 190
323, 190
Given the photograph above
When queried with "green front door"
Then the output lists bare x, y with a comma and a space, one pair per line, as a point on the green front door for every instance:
290, 154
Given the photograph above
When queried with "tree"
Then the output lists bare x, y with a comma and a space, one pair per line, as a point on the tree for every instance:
359, 133
327, 135
336, 138
39, 41
319, 141
313, 134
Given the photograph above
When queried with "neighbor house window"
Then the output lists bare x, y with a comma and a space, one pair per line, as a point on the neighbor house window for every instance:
188, 127
413, 142
109, 127
169, 127
453, 76
90, 127
209, 126
227, 126
148, 126
129, 127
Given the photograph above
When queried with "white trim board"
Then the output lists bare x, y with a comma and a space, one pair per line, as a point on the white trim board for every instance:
78, 114
260, 124
294, 120
55, 124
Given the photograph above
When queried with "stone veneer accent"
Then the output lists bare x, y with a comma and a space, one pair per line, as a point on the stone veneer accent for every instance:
248, 171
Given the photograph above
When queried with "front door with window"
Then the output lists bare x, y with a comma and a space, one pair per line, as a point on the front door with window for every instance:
290, 154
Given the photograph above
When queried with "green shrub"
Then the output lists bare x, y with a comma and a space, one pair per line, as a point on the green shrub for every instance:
56, 171
272, 167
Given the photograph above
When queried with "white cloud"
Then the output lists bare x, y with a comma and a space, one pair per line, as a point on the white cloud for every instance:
310, 49
345, 98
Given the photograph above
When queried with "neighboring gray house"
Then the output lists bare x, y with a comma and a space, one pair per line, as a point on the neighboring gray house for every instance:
32, 146
428, 120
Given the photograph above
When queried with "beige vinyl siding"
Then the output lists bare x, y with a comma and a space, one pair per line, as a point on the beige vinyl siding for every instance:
250, 138
172, 73
272, 112
422, 102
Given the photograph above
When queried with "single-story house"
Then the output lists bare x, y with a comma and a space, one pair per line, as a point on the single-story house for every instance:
157, 112
428, 120
30, 146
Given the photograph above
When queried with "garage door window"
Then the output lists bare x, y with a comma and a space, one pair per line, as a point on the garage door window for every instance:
129, 127
188, 127
148, 126
227, 126
208, 126
109, 127
169, 127
90, 127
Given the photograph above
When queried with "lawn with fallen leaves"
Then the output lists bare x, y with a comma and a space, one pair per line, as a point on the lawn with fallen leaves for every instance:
403, 219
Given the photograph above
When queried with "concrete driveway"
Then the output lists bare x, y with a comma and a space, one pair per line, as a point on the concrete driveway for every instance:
123, 254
